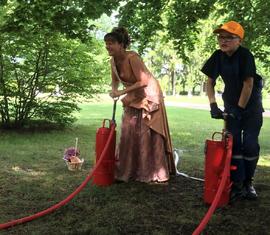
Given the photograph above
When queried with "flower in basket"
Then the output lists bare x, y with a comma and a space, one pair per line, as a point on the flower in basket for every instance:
70, 153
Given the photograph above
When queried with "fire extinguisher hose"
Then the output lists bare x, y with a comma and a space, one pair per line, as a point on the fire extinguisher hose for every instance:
213, 206
68, 198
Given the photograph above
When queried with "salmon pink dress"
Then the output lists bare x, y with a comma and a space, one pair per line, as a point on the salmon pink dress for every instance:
144, 152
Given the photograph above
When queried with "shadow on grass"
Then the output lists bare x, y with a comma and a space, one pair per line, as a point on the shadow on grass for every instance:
130, 208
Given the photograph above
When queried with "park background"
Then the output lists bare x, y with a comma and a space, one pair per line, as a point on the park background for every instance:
54, 81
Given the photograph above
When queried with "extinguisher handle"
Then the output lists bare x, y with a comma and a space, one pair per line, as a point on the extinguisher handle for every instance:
104, 122
114, 109
215, 133
225, 117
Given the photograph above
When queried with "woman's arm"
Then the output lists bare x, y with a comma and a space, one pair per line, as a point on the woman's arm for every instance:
140, 73
115, 81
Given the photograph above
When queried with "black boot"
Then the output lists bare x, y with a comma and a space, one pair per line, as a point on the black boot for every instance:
237, 191
250, 190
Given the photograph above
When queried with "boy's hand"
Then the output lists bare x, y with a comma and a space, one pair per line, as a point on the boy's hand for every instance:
215, 111
237, 112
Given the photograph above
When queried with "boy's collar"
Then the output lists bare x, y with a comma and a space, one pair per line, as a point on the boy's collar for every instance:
234, 52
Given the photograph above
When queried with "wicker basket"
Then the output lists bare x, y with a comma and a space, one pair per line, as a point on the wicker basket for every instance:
69, 154
74, 166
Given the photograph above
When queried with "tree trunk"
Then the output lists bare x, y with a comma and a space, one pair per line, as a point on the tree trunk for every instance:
173, 82
3, 103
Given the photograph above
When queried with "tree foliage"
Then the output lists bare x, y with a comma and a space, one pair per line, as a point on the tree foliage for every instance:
65, 16
144, 19
164, 62
41, 78
191, 23
134, 15
48, 58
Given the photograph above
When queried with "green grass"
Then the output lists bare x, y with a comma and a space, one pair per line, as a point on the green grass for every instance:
33, 177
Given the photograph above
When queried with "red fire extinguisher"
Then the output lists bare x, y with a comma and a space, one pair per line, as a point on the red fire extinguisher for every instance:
104, 174
217, 183
217, 154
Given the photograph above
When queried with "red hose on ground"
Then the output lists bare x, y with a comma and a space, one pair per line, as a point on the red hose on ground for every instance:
68, 198
213, 206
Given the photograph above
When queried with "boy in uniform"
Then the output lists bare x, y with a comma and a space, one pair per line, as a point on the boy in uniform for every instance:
242, 101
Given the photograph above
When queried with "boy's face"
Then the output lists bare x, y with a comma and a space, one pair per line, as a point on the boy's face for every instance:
228, 42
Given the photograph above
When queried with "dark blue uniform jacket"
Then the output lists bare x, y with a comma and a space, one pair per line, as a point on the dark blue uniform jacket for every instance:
233, 71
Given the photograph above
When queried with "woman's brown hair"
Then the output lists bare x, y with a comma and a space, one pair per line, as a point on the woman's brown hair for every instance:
120, 35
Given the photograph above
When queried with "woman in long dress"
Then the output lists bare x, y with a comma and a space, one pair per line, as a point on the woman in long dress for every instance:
144, 152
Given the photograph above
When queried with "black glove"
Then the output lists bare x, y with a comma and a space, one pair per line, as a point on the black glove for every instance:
215, 111
237, 112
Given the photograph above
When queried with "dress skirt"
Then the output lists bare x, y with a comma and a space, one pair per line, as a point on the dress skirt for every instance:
141, 153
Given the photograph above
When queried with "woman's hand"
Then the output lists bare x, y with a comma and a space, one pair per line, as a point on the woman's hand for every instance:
116, 93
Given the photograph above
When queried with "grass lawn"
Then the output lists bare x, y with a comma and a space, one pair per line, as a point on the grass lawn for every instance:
33, 177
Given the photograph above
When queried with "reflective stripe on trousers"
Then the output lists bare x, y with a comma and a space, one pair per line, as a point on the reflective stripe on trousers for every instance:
246, 148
